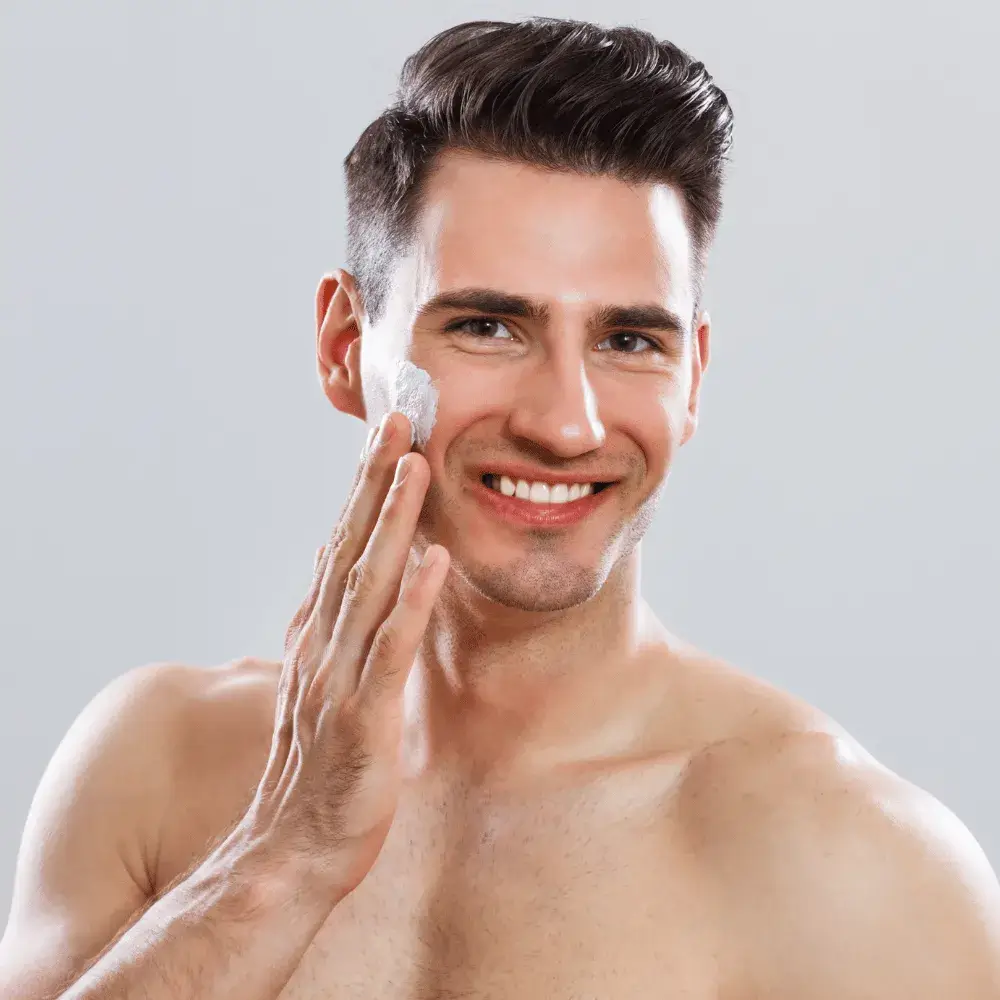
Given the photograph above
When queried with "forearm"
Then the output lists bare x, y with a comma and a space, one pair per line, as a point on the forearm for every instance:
229, 931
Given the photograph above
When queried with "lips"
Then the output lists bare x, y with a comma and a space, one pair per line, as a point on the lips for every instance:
518, 512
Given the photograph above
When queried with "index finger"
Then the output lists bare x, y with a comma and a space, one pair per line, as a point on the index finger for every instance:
361, 511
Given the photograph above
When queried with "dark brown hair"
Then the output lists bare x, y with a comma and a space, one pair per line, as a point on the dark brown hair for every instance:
561, 94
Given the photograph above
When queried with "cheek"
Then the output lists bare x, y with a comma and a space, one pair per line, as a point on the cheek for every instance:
671, 406
415, 395
460, 399
657, 428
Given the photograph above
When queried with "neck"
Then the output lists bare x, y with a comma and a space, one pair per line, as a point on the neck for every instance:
495, 687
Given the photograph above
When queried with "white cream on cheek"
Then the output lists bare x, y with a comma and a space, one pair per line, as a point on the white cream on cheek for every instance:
411, 392
415, 395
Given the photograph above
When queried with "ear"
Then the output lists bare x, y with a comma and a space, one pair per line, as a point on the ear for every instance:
700, 353
338, 342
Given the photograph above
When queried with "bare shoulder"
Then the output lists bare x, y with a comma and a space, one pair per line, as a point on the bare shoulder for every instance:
89, 849
836, 870
218, 741
220, 712
771, 760
717, 708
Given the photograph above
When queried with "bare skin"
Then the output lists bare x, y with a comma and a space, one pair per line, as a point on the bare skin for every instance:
590, 807
539, 884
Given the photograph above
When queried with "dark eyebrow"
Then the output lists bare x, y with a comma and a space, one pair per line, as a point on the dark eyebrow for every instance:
647, 316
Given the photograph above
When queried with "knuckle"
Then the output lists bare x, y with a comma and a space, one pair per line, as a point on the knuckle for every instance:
340, 545
338, 539
388, 642
339, 567
360, 581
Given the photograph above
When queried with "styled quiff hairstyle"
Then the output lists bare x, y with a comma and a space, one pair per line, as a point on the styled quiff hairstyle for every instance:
559, 94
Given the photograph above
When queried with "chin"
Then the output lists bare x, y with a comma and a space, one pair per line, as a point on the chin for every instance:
538, 583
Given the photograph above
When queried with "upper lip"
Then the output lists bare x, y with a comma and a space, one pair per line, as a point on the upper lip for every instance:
516, 470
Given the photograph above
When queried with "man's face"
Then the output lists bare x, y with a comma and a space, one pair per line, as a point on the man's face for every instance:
611, 401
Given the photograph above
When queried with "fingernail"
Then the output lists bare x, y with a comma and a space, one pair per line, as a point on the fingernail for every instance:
368, 443
385, 431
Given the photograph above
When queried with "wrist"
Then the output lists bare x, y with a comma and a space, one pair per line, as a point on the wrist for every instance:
273, 875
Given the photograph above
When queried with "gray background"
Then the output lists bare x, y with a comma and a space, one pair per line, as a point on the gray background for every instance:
172, 193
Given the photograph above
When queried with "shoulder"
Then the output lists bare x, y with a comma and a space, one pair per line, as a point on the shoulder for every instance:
194, 708
710, 709
216, 737
112, 773
842, 873
222, 716
238, 693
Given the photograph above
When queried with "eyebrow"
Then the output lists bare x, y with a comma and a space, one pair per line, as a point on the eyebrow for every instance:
643, 316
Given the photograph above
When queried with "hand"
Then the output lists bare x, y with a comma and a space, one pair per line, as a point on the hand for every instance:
331, 784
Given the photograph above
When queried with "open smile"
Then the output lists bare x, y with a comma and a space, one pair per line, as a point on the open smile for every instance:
580, 500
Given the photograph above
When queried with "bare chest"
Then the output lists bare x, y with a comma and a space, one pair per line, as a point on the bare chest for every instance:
590, 892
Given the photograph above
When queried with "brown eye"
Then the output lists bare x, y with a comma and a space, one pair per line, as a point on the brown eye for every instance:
634, 337
462, 326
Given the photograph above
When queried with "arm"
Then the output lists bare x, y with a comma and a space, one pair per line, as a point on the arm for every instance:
84, 922
850, 883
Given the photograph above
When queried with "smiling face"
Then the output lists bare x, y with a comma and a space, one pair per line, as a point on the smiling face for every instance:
553, 312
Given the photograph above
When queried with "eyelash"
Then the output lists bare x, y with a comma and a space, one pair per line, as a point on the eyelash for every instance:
458, 324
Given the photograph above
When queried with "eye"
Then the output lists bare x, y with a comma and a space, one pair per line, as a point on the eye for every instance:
464, 326
636, 337
462, 323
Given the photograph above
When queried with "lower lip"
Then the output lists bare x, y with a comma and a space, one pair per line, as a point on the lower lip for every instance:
555, 515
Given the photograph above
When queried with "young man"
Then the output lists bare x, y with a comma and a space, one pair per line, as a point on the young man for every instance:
500, 776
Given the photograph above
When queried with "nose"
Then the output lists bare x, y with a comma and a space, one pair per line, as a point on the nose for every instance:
556, 407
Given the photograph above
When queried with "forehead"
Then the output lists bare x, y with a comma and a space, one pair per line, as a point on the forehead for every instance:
558, 236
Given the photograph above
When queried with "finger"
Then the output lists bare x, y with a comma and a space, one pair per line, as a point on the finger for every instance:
309, 602
303, 611
373, 582
362, 462
353, 529
397, 640
341, 534
368, 443
358, 473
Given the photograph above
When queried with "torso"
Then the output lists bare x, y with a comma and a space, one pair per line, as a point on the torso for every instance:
588, 883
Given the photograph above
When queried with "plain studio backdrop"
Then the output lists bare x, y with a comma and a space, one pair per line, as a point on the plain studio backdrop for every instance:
172, 193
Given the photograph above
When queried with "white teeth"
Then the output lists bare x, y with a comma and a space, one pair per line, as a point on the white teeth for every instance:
541, 492
559, 493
